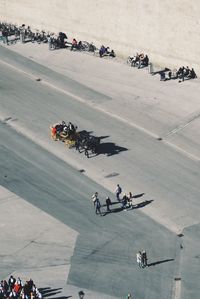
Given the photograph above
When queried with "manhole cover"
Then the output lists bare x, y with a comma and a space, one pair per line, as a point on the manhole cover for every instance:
180, 235
177, 278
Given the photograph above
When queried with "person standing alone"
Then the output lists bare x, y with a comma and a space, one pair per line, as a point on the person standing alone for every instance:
118, 191
144, 259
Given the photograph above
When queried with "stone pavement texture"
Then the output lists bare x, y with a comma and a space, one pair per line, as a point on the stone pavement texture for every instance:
166, 110
36, 245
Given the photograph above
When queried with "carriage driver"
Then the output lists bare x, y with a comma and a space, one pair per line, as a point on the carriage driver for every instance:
71, 128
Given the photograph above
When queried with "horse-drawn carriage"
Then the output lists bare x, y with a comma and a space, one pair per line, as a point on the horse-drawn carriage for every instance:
82, 140
66, 133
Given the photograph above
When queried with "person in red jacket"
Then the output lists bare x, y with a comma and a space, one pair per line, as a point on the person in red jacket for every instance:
74, 44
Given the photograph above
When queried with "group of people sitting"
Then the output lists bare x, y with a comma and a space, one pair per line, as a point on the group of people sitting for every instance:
76, 45
185, 72
62, 130
17, 289
56, 41
182, 73
140, 60
105, 51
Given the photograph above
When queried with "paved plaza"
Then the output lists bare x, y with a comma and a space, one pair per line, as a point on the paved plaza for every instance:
49, 230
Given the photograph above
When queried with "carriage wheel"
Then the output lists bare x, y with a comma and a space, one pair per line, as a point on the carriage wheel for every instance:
94, 150
79, 149
87, 153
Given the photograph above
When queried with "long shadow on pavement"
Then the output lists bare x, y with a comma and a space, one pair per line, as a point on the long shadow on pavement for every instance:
138, 195
142, 204
160, 262
47, 292
110, 149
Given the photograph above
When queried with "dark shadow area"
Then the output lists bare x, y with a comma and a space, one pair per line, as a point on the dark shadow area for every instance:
112, 203
47, 292
160, 71
103, 137
110, 149
62, 297
138, 195
160, 262
44, 289
92, 146
85, 133
142, 204
116, 210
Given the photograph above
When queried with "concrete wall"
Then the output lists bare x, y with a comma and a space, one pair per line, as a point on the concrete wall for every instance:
167, 30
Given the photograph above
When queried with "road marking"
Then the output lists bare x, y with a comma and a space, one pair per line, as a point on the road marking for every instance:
177, 289
182, 151
183, 125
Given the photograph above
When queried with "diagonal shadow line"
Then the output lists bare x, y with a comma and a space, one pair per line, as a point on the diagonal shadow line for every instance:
117, 210
160, 262
138, 195
142, 204
49, 294
48, 290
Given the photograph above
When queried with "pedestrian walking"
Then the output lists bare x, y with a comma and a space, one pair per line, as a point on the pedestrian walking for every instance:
124, 201
108, 203
144, 259
139, 259
118, 191
94, 197
129, 296
98, 207
130, 197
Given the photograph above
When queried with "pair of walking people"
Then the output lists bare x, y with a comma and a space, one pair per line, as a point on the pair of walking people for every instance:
142, 259
97, 204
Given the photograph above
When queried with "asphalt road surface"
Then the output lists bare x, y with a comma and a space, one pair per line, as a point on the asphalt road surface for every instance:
38, 170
